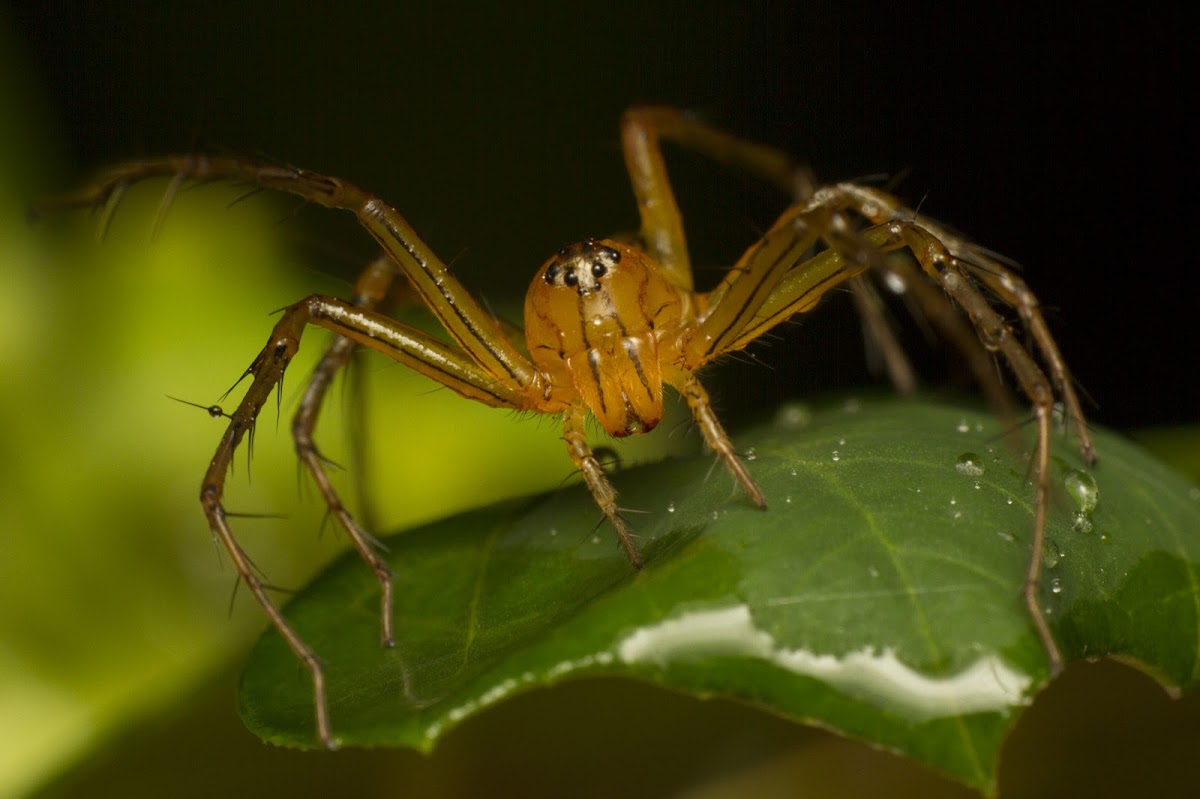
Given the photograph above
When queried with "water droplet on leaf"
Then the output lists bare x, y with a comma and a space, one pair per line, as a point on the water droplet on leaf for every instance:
1083, 489
969, 464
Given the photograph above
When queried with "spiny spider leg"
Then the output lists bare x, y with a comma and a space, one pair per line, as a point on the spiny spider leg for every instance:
354, 323
584, 458
370, 289
996, 335
974, 261
459, 313
717, 439
267, 369
1013, 291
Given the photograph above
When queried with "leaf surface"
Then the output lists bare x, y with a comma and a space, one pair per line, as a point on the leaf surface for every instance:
878, 595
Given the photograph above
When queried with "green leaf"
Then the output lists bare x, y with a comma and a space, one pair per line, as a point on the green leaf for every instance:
879, 595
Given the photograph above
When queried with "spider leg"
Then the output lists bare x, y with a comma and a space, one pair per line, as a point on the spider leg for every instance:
662, 224
935, 307
1013, 291
878, 332
955, 278
802, 287
735, 306
437, 360
575, 435
267, 370
716, 438
370, 289
770, 282
469, 324
973, 261
806, 281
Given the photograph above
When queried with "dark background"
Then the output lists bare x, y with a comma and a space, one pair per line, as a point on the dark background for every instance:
1056, 138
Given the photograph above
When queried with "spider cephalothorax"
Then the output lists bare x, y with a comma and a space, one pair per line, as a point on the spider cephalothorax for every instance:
595, 325
608, 324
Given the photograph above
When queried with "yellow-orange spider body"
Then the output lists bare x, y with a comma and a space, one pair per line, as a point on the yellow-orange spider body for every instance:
601, 324
609, 323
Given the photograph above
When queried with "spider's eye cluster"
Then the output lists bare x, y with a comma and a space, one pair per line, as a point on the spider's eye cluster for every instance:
581, 266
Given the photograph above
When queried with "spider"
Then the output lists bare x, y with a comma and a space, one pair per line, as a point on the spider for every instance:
610, 322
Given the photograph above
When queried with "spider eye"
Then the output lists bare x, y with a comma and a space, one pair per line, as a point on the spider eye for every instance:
552, 273
599, 269
571, 279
